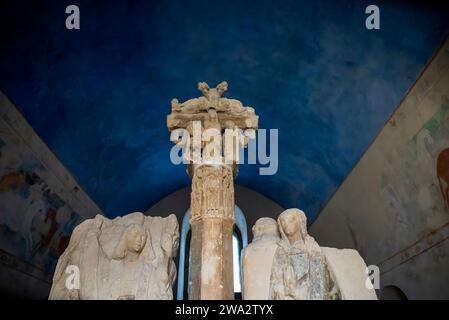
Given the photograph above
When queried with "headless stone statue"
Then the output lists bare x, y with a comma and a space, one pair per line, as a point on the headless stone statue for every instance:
257, 259
122, 259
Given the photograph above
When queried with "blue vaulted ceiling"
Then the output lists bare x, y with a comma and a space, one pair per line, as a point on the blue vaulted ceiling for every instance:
99, 96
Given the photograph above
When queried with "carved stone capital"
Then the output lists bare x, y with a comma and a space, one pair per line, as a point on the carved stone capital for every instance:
229, 112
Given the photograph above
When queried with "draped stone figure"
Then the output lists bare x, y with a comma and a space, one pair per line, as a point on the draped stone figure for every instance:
127, 258
294, 267
257, 259
299, 270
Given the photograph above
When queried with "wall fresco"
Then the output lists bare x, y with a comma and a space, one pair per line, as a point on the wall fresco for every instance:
35, 223
40, 205
443, 175
396, 197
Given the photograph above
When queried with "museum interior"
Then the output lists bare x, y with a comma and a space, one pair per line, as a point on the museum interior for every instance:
341, 189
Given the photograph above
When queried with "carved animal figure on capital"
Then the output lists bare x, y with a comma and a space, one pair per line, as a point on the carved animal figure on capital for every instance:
229, 112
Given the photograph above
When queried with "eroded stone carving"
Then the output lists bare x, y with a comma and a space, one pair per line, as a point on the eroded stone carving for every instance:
212, 166
228, 112
130, 257
212, 193
257, 259
299, 269
348, 271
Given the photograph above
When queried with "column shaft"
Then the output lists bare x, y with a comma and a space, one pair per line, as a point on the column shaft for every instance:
212, 224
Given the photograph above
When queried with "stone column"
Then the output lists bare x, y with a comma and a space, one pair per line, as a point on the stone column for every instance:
212, 224
212, 200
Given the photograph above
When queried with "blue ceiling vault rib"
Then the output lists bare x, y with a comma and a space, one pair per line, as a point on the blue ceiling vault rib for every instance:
99, 96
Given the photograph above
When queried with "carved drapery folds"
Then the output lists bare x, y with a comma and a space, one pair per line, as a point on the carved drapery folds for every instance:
284, 263
128, 258
299, 269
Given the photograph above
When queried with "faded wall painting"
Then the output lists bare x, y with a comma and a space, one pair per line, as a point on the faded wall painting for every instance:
40, 203
414, 183
443, 175
397, 196
35, 223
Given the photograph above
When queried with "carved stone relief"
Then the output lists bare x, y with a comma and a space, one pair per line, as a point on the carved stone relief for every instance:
212, 192
127, 258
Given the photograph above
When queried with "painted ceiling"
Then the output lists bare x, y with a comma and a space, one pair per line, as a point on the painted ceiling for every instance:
99, 96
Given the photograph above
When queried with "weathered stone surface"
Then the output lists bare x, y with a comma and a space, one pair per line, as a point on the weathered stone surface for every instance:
294, 267
212, 168
129, 257
211, 273
212, 222
299, 269
348, 270
257, 259
228, 110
